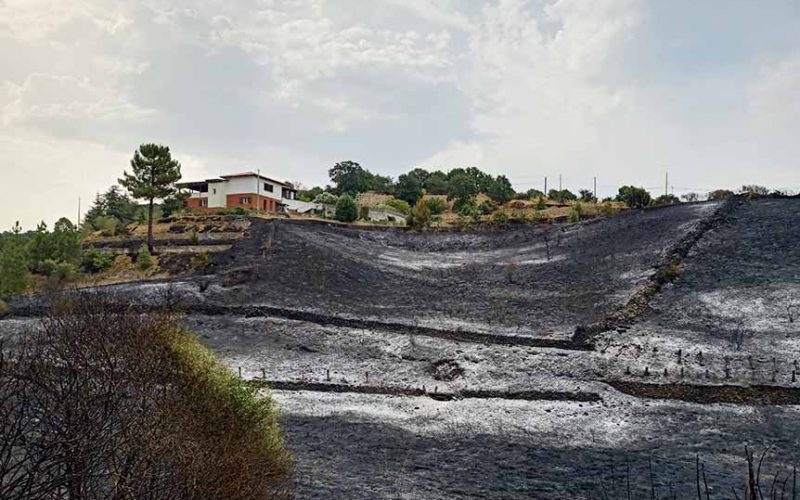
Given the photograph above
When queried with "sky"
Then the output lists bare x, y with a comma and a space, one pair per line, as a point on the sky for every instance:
627, 91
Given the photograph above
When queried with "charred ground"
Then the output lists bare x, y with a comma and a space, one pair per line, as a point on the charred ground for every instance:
399, 357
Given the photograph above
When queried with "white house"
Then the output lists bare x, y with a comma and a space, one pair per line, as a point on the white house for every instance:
246, 190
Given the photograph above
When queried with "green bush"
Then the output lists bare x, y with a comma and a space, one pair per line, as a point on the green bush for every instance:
486, 207
94, 260
541, 205
4, 309
200, 261
607, 209
61, 271
107, 225
399, 205
363, 213
466, 209
326, 198
346, 209
420, 215
436, 205
500, 217
574, 215
144, 260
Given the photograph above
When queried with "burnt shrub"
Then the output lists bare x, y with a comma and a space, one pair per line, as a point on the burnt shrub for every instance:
100, 401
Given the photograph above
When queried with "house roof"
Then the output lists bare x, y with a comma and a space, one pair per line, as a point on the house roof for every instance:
223, 178
254, 174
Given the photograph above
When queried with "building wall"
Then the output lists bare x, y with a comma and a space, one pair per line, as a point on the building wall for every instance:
216, 194
237, 185
255, 202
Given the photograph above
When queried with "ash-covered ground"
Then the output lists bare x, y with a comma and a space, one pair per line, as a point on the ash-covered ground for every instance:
443, 365
539, 280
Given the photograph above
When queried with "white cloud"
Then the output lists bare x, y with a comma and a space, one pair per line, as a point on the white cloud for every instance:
45, 97
541, 98
774, 95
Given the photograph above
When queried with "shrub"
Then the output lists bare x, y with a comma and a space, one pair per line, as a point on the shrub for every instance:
4, 309
486, 208
363, 213
607, 209
574, 215
61, 271
720, 194
666, 199
107, 225
346, 209
400, 205
752, 190
94, 260
144, 260
420, 215
541, 205
436, 205
200, 261
466, 208
146, 411
326, 198
500, 217
634, 197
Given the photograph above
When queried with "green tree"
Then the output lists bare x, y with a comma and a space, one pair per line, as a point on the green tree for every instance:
309, 194
435, 183
586, 195
113, 203
13, 262
634, 197
562, 196
350, 178
346, 209
720, 194
409, 188
154, 176
666, 199
382, 184
534, 193
462, 188
175, 203
500, 190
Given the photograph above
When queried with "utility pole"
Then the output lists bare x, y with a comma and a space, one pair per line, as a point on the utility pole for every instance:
559, 182
78, 222
666, 184
595, 188
545, 185
258, 190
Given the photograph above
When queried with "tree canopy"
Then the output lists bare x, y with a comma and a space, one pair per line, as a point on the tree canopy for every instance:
634, 197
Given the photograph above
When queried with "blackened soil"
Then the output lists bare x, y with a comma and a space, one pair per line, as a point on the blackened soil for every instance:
740, 284
534, 280
342, 457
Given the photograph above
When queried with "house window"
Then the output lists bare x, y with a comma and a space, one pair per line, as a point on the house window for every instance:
203, 203
268, 187
244, 200
215, 190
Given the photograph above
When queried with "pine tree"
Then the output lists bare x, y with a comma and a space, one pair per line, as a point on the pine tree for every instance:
154, 176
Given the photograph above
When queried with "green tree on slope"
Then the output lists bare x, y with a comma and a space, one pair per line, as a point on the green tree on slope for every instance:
154, 176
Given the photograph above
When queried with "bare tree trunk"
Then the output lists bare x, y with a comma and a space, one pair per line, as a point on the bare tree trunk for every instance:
150, 228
